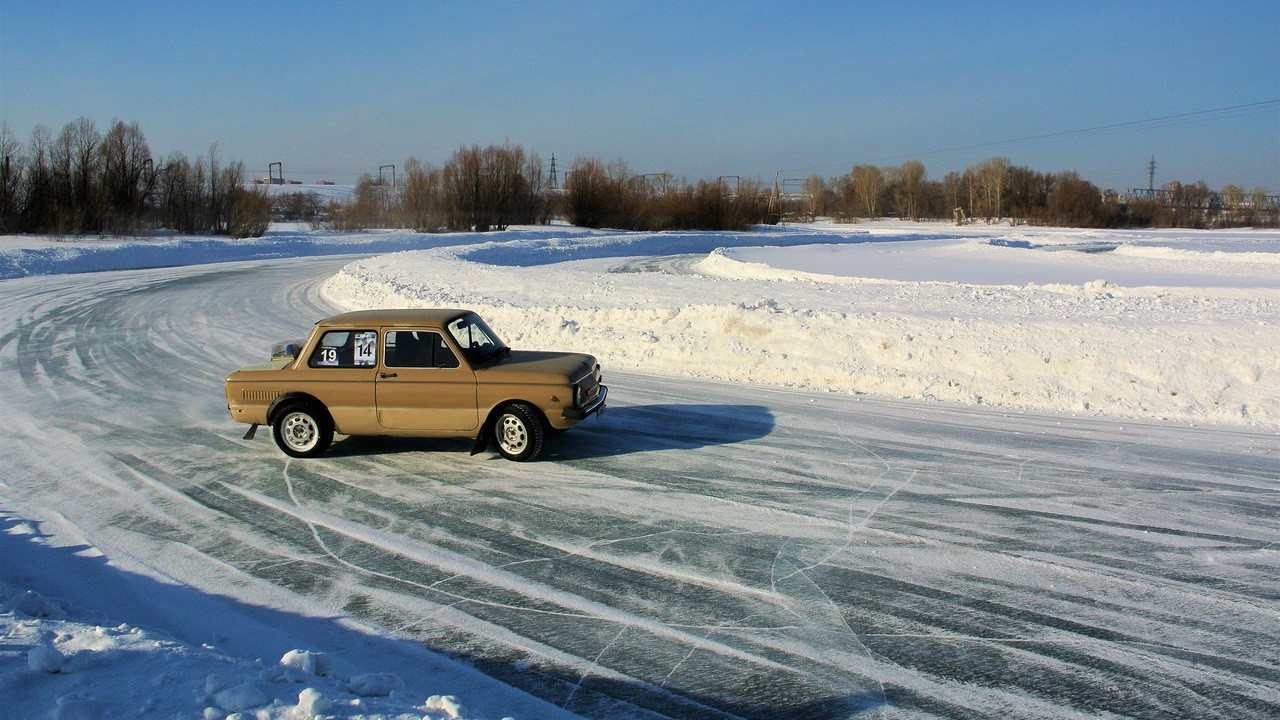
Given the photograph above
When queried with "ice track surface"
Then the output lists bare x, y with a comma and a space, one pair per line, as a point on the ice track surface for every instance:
703, 550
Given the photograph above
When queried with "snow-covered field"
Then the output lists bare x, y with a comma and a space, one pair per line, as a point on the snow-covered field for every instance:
1176, 327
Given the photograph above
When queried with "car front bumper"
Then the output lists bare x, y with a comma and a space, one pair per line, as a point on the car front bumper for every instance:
595, 406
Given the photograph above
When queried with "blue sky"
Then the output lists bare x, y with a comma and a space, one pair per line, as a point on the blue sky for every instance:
698, 89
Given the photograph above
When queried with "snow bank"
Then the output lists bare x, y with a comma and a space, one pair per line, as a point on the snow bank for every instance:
1012, 321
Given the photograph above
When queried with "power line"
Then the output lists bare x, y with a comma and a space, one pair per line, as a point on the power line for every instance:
1065, 133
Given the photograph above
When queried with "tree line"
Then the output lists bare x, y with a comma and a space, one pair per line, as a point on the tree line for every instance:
497, 186
494, 187
82, 181
997, 190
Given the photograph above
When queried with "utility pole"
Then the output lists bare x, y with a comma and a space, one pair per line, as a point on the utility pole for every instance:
381, 181
775, 202
1151, 175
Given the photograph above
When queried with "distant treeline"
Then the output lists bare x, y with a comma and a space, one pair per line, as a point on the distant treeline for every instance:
82, 182
85, 182
493, 187
996, 190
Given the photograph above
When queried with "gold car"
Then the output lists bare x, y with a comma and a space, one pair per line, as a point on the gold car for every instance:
414, 373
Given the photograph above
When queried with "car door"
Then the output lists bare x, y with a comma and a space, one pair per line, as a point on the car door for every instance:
340, 373
423, 385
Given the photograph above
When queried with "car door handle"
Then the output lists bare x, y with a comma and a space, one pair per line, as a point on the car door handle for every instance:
384, 376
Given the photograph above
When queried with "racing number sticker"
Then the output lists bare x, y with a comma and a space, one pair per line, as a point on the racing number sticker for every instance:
366, 342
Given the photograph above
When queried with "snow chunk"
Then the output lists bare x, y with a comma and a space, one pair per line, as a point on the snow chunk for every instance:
314, 663
241, 698
375, 684
46, 659
76, 707
35, 605
312, 702
446, 704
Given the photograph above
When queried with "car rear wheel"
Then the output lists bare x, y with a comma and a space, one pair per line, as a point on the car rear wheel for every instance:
302, 430
519, 431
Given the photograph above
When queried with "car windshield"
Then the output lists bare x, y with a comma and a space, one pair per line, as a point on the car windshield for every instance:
477, 341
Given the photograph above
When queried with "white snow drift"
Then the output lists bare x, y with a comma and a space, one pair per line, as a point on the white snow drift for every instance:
1176, 325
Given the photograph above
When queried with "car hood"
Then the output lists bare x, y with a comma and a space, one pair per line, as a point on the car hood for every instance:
538, 367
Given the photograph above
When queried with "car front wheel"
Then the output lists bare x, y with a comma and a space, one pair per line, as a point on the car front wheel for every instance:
302, 431
519, 432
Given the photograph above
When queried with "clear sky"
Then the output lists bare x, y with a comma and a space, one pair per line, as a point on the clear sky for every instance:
697, 88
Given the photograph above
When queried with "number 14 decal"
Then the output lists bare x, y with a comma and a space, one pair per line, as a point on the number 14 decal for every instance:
366, 348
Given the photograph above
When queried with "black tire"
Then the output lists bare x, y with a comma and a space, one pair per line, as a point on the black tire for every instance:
302, 430
519, 431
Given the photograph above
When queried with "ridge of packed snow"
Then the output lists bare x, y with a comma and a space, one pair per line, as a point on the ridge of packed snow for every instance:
927, 317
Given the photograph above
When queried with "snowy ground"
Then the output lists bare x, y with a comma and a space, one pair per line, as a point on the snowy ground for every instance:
1131, 324
705, 550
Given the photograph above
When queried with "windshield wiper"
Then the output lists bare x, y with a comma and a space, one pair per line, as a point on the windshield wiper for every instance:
496, 356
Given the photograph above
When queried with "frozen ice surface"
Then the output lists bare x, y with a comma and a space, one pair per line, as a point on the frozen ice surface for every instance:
709, 548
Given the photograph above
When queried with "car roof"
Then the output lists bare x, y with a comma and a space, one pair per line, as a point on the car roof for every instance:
415, 316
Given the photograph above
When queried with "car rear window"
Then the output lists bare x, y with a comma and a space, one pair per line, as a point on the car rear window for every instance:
346, 349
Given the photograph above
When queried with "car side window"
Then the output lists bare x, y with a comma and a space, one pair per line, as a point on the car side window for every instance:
418, 349
346, 349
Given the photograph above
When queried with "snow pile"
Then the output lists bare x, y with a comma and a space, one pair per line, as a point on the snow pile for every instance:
64, 662
1052, 321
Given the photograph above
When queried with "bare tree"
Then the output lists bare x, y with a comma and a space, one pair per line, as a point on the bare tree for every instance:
126, 182
868, 182
953, 190
815, 191
1027, 191
491, 187
909, 188
1074, 201
1233, 205
463, 187
77, 172
213, 192
40, 209
242, 211
178, 194
991, 175
11, 184
593, 198
420, 196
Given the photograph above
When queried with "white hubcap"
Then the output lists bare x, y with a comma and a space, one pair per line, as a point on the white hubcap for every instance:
512, 434
300, 431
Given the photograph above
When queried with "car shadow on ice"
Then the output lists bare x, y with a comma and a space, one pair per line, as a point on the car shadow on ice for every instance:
633, 429
366, 445
622, 430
